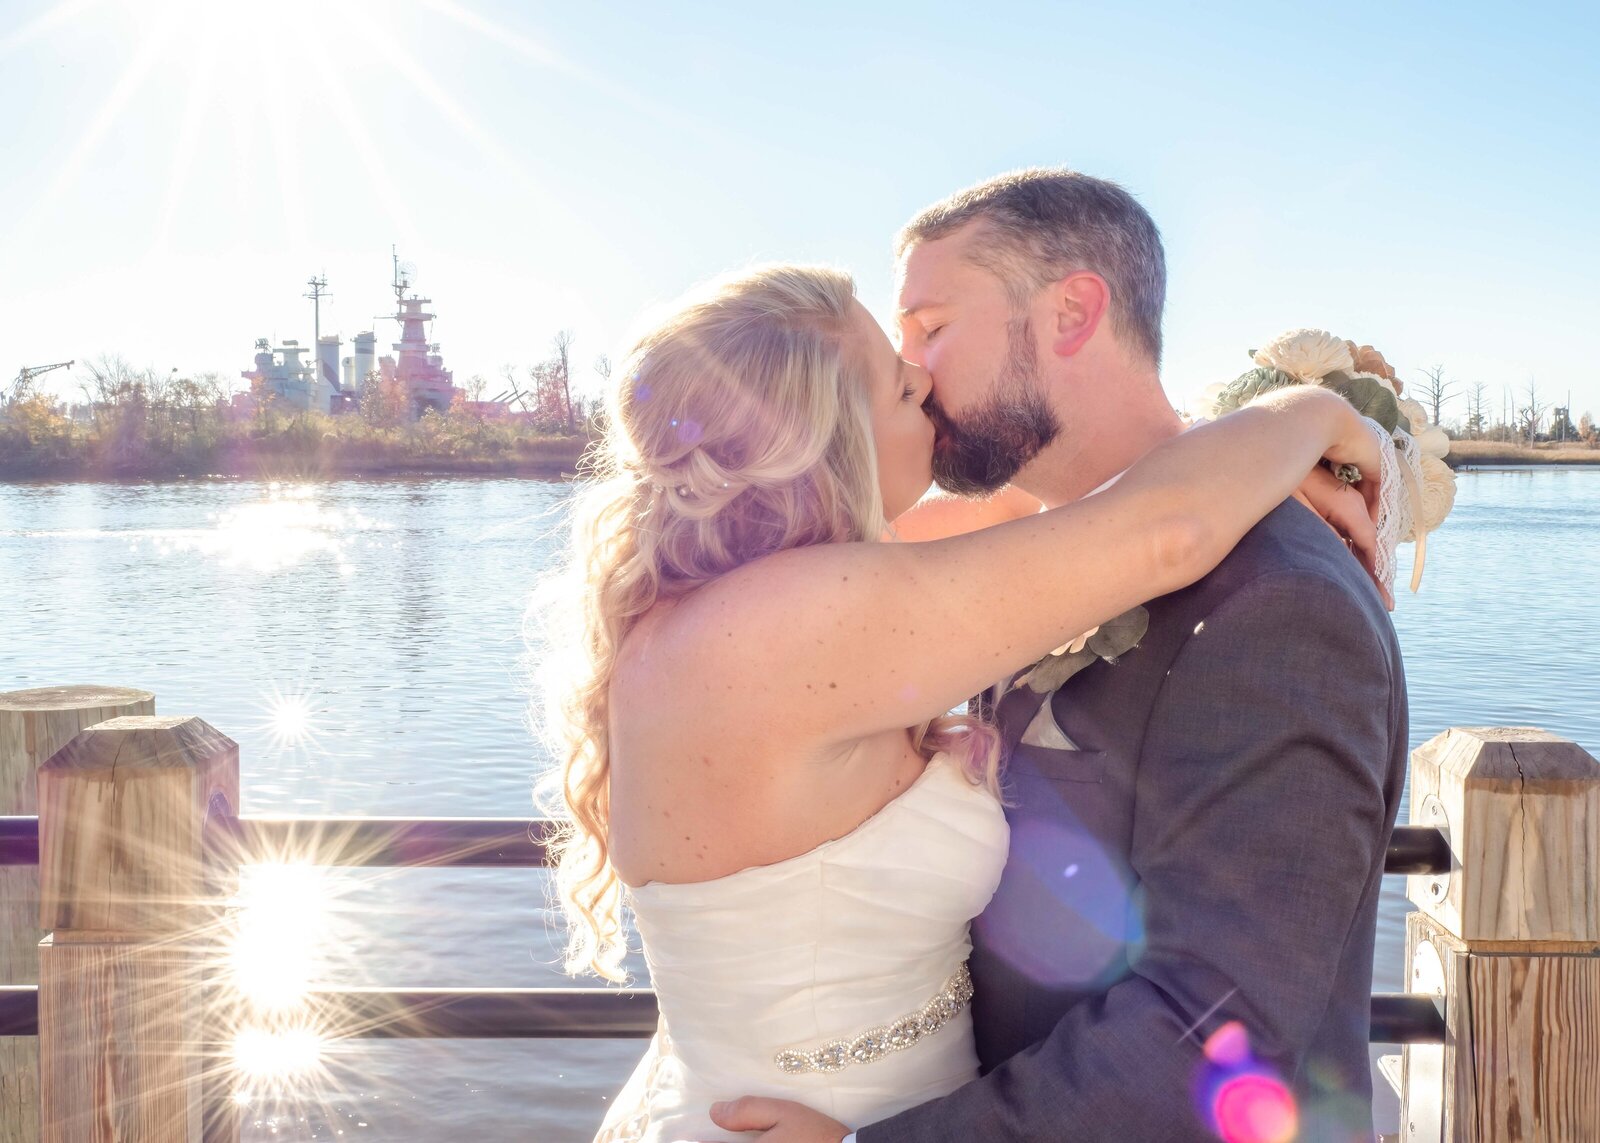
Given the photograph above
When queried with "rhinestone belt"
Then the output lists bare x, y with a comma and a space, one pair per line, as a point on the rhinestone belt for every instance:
875, 1043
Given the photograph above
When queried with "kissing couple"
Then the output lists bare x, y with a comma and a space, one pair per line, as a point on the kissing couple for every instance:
1131, 894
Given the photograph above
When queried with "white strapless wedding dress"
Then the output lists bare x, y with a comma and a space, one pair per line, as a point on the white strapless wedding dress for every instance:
836, 978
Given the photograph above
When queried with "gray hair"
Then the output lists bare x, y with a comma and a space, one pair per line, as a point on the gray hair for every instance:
1043, 224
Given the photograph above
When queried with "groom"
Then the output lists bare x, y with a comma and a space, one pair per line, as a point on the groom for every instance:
1198, 826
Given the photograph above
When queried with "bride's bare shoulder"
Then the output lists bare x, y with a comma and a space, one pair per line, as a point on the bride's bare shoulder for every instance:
709, 639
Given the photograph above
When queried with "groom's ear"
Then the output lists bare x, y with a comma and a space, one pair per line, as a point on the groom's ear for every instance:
1078, 304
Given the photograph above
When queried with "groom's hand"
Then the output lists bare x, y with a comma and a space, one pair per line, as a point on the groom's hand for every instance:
778, 1120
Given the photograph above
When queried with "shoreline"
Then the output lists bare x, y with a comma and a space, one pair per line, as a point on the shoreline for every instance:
1466, 454
547, 457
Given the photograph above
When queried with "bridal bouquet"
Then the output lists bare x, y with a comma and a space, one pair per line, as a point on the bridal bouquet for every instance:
1420, 488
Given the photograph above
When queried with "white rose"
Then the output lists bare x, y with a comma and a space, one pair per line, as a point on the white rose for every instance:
1433, 441
1438, 493
1415, 413
1309, 354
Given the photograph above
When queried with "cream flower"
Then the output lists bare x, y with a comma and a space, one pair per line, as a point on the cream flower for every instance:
1438, 493
1433, 441
1415, 413
1309, 354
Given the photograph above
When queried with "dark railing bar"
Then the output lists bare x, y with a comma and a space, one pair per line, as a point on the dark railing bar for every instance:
1417, 849
19, 841
586, 1013
19, 1010
369, 841
484, 1013
489, 842
1402, 1018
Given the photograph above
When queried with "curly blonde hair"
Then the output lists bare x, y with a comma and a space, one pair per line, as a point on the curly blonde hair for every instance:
740, 426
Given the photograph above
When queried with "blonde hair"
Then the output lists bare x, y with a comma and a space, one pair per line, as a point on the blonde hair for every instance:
740, 426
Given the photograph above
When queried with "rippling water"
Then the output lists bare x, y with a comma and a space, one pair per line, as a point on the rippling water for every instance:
361, 641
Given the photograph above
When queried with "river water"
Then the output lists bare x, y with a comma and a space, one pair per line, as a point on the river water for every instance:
363, 641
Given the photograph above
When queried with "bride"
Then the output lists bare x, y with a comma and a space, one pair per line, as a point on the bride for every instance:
752, 712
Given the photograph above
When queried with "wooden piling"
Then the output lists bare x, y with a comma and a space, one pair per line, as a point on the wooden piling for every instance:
124, 1032
34, 724
1510, 937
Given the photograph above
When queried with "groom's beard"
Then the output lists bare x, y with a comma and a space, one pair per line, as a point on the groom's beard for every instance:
993, 440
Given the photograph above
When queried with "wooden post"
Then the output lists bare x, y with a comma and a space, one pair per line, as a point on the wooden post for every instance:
124, 1037
34, 724
1510, 937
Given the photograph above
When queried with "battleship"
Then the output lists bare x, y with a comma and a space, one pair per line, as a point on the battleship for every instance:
330, 384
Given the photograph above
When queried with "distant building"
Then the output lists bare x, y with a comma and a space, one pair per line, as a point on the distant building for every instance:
281, 375
331, 384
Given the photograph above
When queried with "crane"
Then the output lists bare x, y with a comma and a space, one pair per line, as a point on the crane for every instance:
25, 376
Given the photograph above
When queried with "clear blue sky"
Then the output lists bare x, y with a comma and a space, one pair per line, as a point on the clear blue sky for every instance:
1421, 177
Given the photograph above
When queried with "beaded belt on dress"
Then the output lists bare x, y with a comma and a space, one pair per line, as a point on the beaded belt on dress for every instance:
875, 1043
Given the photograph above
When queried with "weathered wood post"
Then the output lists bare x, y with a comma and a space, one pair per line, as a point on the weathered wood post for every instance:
124, 1035
1510, 937
34, 724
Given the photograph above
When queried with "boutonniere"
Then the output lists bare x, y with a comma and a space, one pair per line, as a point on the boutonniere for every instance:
1107, 641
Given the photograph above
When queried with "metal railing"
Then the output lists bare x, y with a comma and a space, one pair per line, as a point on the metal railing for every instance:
545, 1013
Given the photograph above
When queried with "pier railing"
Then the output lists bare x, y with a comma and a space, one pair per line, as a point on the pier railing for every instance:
138, 844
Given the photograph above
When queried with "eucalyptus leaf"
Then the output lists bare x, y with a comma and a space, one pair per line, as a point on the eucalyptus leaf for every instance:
1121, 635
1369, 398
1251, 384
1053, 670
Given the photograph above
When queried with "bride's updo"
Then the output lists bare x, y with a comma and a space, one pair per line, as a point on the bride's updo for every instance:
739, 426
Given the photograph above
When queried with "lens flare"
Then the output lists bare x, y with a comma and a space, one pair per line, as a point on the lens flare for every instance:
1255, 1109
1242, 1099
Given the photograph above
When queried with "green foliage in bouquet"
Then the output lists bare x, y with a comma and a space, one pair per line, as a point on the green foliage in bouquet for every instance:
1370, 399
1247, 386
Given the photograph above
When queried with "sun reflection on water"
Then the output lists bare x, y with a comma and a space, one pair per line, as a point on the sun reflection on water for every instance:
283, 531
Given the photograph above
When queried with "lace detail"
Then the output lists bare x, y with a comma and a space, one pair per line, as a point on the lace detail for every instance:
1399, 497
875, 1043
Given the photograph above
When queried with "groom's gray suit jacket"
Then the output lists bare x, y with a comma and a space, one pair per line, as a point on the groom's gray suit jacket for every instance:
1211, 853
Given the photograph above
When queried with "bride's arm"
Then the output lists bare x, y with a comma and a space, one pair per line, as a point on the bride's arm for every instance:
938, 515
839, 641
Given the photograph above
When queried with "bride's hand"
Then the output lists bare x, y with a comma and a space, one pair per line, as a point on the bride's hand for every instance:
778, 1120
1353, 442
1357, 444
1350, 517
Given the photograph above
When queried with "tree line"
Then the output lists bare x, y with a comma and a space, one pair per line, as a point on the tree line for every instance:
1522, 415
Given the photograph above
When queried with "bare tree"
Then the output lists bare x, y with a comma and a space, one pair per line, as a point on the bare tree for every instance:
1587, 432
1531, 414
1475, 418
561, 363
1435, 391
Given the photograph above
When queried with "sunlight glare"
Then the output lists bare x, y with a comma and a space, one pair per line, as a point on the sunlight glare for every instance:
280, 532
282, 928
291, 719
276, 1055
